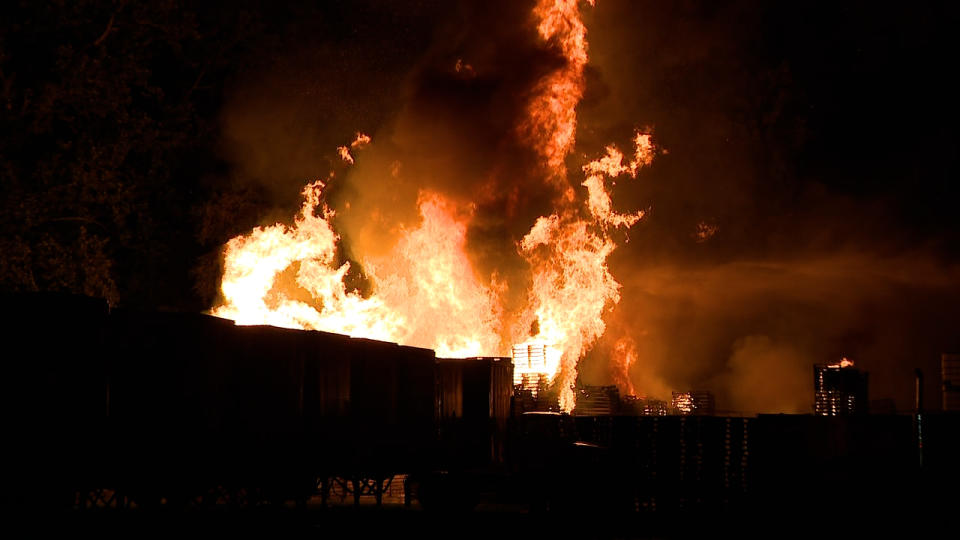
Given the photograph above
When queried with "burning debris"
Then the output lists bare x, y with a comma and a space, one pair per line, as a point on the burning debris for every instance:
426, 291
697, 403
840, 389
597, 401
532, 364
426, 295
344, 152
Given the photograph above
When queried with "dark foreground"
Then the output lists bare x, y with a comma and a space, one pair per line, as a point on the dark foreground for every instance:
493, 523
207, 428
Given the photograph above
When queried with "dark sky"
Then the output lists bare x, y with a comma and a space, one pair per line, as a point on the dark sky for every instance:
818, 141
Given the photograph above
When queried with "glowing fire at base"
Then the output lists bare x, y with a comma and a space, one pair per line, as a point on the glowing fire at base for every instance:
425, 292
534, 363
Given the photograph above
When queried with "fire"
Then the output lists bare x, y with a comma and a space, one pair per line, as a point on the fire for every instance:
843, 363
704, 232
425, 292
430, 280
624, 356
534, 362
612, 166
682, 402
425, 295
572, 285
360, 141
551, 123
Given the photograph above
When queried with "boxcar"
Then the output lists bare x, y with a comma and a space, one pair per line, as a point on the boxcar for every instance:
53, 395
473, 406
181, 407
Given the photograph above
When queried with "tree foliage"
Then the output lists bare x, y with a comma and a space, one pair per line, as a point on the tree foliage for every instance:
107, 149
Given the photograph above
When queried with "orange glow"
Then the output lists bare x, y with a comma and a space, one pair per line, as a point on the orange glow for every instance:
624, 355
704, 232
359, 142
425, 291
345, 154
611, 165
551, 122
571, 289
843, 363
572, 285
534, 361
682, 402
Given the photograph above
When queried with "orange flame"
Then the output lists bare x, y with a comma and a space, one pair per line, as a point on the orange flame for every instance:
843, 363
612, 166
704, 232
425, 291
551, 123
572, 285
345, 154
624, 355
359, 142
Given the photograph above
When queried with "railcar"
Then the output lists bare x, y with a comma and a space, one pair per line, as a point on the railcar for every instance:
122, 406
106, 407
53, 396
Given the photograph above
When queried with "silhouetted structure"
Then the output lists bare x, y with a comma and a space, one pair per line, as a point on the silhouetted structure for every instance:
473, 404
634, 406
530, 366
541, 398
655, 407
950, 374
597, 401
883, 406
696, 403
839, 389
206, 412
200, 413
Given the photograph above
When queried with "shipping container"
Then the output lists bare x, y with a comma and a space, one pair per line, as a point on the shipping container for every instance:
53, 395
473, 407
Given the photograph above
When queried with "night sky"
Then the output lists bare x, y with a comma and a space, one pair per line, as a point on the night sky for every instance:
817, 141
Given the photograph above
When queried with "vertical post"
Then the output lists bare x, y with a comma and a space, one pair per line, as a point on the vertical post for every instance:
918, 414
357, 488
324, 491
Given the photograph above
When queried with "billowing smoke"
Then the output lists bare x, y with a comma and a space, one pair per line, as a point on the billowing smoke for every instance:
801, 212
751, 331
443, 114
757, 257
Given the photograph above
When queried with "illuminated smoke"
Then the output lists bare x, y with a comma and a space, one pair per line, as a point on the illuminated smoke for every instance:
424, 290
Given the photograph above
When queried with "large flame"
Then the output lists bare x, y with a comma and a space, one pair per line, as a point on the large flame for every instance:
425, 291
551, 123
572, 285
623, 357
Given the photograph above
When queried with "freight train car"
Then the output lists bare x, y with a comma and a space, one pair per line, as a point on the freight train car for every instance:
53, 396
249, 413
473, 404
126, 407
116, 407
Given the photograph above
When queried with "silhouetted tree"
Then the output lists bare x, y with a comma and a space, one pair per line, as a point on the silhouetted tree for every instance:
107, 130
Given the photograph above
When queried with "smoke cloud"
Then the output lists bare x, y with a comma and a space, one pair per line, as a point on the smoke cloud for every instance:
776, 237
751, 331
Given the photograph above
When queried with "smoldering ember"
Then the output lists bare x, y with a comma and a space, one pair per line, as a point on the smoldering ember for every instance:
621, 268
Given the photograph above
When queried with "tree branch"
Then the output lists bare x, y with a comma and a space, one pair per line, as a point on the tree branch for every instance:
103, 36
